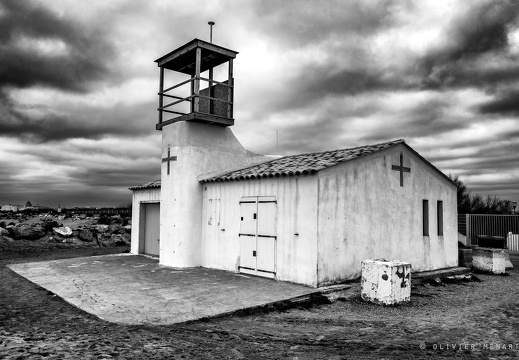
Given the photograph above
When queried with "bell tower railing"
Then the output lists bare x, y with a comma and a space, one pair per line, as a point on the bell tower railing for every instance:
213, 104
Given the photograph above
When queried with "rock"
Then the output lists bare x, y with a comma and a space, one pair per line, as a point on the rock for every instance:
101, 228
116, 229
5, 239
115, 240
27, 232
64, 231
49, 224
4, 232
128, 228
86, 235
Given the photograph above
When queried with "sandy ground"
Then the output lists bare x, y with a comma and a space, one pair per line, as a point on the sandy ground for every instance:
458, 320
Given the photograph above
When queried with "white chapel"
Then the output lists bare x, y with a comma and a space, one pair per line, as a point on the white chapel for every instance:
306, 218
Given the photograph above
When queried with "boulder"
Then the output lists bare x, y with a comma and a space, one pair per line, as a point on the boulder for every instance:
5, 239
120, 239
86, 235
116, 229
107, 240
64, 231
101, 228
49, 224
116, 219
27, 232
4, 232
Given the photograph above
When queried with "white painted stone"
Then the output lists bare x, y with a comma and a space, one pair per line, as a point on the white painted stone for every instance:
489, 260
63, 231
385, 282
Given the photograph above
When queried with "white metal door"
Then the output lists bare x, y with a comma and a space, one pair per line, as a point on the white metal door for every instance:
258, 236
151, 229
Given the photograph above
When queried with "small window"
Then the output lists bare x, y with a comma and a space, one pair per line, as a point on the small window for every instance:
439, 210
425, 212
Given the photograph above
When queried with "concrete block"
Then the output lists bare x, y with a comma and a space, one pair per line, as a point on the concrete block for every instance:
508, 263
385, 282
465, 258
489, 260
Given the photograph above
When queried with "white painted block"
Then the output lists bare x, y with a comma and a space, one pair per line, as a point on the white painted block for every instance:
489, 260
386, 282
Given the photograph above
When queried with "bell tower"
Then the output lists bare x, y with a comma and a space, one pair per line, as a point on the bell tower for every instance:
213, 104
194, 115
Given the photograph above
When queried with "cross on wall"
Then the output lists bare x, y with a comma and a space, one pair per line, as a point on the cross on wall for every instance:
169, 158
402, 169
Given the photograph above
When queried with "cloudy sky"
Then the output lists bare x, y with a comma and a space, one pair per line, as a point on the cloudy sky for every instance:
78, 86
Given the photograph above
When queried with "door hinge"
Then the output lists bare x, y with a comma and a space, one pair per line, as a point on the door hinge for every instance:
254, 216
253, 252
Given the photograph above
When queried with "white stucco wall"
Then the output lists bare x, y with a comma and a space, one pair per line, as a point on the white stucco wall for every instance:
138, 198
296, 255
364, 213
200, 149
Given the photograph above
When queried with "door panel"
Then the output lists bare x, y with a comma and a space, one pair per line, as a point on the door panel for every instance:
248, 223
152, 229
247, 251
266, 254
267, 218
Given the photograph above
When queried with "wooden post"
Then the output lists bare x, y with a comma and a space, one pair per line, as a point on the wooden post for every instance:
192, 102
211, 91
230, 93
197, 79
161, 89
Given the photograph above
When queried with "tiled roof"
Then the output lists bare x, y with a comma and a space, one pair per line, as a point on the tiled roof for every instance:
150, 185
302, 164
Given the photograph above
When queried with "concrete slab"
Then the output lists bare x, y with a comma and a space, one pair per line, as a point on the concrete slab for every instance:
440, 273
134, 289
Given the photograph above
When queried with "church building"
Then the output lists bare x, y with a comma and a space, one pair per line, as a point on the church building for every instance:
307, 218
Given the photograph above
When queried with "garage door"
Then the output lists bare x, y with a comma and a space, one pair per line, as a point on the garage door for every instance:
152, 229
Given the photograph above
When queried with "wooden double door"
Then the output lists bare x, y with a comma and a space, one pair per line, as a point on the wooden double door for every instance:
258, 236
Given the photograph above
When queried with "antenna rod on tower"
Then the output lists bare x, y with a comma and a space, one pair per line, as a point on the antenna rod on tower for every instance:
211, 23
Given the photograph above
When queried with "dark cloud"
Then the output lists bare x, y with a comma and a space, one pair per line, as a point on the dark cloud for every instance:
87, 122
316, 82
297, 23
84, 57
507, 103
482, 30
431, 117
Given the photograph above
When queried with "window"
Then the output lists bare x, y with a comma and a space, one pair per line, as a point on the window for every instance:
425, 212
439, 210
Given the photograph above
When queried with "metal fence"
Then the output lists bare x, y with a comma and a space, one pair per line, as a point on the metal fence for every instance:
103, 211
506, 226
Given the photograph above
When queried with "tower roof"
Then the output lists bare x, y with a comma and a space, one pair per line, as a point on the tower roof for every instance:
183, 59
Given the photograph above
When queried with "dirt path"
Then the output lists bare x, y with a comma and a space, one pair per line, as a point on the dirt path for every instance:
482, 316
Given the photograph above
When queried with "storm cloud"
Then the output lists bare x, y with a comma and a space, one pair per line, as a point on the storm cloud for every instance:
38, 47
78, 86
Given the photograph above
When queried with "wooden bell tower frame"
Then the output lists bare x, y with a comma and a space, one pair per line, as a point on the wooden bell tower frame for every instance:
211, 105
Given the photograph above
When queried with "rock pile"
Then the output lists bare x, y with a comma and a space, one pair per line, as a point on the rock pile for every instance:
48, 230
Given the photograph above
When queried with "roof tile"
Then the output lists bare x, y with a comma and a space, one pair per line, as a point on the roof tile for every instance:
302, 163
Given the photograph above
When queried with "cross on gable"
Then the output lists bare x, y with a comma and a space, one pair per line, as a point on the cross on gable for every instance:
169, 158
401, 168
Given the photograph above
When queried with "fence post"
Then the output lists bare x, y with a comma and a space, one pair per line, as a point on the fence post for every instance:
467, 224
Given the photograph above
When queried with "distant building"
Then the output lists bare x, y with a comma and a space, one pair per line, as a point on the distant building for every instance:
12, 208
